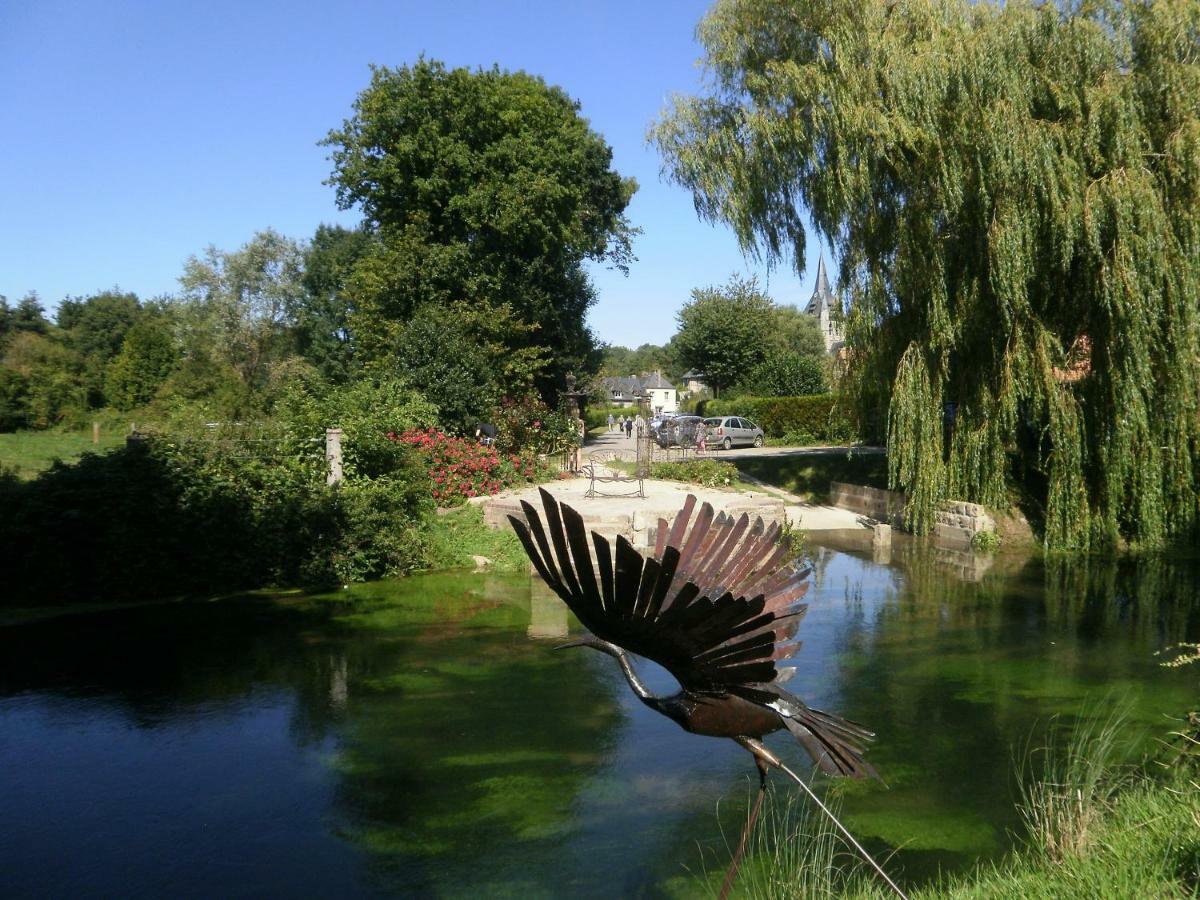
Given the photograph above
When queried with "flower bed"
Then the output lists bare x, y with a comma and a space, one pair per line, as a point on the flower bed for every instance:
460, 468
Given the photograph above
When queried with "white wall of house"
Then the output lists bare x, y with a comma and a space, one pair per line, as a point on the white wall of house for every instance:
663, 399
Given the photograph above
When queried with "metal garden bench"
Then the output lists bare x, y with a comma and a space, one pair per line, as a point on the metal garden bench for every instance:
604, 481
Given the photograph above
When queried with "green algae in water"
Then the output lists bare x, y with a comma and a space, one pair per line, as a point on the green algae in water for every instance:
905, 825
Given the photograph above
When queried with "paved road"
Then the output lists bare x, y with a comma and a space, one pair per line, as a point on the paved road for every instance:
614, 440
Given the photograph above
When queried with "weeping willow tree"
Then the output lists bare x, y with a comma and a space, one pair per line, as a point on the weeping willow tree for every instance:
1014, 195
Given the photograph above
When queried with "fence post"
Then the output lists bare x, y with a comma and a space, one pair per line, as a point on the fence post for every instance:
333, 455
95, 432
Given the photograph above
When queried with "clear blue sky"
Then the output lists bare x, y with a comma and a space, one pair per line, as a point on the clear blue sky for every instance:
136, 134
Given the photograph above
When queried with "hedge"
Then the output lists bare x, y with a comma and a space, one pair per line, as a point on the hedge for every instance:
814, 417
161, 518
597, 416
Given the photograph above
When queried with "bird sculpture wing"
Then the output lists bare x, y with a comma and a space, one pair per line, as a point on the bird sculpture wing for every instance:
717, 605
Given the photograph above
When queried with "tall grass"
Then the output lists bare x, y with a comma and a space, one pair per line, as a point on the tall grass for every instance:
794, 853
1096, 827
1073, 794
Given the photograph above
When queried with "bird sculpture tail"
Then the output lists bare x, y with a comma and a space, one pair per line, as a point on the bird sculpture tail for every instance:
835, 744
832, 742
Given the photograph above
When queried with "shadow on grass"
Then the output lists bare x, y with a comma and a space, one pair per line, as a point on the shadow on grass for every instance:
810, 475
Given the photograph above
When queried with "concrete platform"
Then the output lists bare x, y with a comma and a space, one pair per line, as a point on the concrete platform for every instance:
635, 518
631, 516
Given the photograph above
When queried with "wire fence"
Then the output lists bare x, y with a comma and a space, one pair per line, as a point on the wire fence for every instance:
267, 449
321, 453
221, 441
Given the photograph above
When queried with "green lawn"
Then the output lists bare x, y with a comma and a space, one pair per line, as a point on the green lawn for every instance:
29, 453
809, 475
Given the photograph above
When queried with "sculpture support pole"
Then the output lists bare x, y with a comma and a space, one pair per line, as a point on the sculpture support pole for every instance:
762, 753
741, 847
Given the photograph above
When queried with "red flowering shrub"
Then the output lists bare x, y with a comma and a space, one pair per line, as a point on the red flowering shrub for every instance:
529, 424
460, 468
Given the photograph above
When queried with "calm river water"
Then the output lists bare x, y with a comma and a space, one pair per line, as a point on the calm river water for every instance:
421, 737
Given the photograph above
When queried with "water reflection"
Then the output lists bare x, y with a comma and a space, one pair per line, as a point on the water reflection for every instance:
422, 737
547, 614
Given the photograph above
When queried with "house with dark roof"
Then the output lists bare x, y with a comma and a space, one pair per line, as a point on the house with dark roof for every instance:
632, 389
694, 381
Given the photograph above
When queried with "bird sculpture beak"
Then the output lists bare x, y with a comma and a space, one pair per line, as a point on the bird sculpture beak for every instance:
578, 643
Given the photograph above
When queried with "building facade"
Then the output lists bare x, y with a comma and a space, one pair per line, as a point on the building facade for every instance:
630, 390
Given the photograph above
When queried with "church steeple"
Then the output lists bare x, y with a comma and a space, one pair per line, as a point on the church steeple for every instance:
821, 305
822, 297
822, 280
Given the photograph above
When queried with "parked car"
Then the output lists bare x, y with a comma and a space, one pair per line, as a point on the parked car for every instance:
679, 431
733, 431
657, 422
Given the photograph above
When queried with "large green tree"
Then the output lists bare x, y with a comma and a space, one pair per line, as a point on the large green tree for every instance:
725, 332
239, 307
148, 355
27, 315
95, 328
622, 361
486, 188
1014, 193
786, 374
798, 333
322, 320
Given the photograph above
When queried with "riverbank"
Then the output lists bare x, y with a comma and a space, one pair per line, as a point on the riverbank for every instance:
1143, 841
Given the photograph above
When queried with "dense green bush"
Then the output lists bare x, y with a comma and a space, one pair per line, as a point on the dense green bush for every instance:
787, 374
164, 518
815, 417
706, 472
365, 410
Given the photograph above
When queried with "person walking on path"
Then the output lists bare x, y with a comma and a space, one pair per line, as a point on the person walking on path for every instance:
629, 428
611, 420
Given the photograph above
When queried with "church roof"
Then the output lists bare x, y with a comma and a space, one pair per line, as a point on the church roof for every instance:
822, 296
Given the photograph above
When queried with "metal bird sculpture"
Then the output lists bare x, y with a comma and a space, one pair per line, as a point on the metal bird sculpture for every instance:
718, 606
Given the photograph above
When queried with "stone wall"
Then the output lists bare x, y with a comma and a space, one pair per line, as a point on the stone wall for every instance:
882, 506
957, 523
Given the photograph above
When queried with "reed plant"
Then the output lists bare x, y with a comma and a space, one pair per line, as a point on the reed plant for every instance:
1095, 826
1062, 806
796, 853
